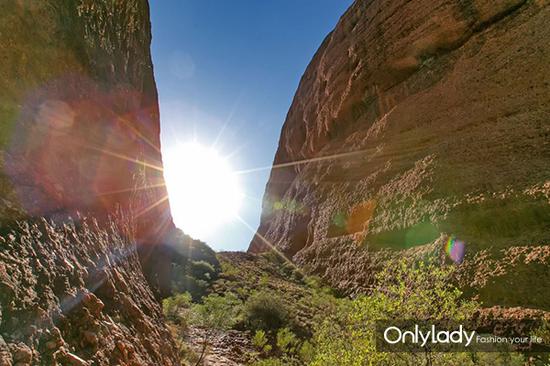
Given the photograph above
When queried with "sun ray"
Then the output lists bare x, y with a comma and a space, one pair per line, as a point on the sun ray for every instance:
114, 154
124, 157
317, 159
151, 206
138, 133
305, 161
124, 190
237, 150
227, 120
269, 244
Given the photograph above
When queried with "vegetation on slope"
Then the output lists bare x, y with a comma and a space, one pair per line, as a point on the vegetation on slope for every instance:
292, 319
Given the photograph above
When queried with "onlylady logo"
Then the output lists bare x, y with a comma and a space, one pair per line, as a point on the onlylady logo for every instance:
446, 336
422, 336
417, 336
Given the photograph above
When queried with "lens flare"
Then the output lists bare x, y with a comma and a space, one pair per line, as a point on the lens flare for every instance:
455, 249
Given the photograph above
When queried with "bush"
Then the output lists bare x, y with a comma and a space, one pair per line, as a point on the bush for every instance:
193, 265
186, 352
189, 248
286, 341
203, 270
217, 312
274, 257
260, 341
175, 308
402, 291
229, 270
182, 281
265, 311
264, 281
313, 282
306, 352
297, 275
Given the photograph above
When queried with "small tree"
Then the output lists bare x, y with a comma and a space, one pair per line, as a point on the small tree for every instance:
286, 341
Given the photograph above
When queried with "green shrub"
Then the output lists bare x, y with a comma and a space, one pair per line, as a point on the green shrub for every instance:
313, 282
217, 312
194, 265
229, 270
186, 352
260, 341
203, 270
191, 249
286, 268
286, 341
264, 280
297, 275
182, 281
265, 311
402, 291
243, 292
175, 308
306, 352
274, 257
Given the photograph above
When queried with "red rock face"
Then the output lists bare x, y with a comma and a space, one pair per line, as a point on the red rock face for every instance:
80, 114
79, 132
74, 295
413, 122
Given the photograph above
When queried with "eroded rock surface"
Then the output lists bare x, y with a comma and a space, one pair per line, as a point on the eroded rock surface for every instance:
74, 294
414, 121
79, 113
79, 132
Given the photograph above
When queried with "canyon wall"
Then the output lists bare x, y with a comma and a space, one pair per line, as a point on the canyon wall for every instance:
79, 111
417, 122
79, 133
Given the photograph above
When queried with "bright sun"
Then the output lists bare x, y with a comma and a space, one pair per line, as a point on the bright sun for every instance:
203, 189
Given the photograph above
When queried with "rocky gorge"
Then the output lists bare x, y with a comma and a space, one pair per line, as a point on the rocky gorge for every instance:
416, 125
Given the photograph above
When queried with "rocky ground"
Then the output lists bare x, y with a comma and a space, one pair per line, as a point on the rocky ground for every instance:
229, 348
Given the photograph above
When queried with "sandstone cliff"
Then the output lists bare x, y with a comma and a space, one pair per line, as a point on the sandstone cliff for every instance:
414, 121
79, 132
78, 105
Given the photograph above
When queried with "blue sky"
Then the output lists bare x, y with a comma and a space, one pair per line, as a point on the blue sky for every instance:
234, 63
